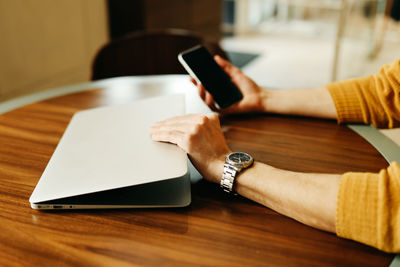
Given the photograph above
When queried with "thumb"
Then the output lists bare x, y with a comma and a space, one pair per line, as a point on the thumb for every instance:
233, 72
225, 65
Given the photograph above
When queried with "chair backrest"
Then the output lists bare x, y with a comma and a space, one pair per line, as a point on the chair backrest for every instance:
146, 53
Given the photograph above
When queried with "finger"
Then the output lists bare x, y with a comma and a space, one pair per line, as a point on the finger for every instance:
185, 119
226, 65
193, 80
186, 124
209, 100
233, 72
222, 62
179, 125
231, 109
173, 137
202, 92
207, 97
213, 117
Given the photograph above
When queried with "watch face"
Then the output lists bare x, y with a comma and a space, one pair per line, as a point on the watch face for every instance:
239, 158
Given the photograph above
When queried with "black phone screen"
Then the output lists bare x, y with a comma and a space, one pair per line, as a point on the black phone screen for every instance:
212, 76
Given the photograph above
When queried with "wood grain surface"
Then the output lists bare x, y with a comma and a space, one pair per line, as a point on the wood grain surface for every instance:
216, 229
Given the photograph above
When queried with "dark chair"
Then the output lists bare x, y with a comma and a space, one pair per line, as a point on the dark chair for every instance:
146, 53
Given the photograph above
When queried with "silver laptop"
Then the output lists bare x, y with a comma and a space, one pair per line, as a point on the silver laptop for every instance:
106, 159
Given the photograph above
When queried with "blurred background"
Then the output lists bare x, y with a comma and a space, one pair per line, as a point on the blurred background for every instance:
279, 43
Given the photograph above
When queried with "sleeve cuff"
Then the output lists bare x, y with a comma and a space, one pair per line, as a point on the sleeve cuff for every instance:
356, 214
368, 208
347, 101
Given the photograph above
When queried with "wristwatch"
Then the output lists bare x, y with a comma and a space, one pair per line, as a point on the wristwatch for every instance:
234, 163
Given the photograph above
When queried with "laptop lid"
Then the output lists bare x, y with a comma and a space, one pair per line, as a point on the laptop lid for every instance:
110, 148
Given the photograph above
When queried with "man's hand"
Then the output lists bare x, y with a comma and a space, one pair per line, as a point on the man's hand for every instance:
252, 94
201, 137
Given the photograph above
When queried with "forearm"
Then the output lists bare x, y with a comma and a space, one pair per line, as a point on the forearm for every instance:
303, 102
308, 198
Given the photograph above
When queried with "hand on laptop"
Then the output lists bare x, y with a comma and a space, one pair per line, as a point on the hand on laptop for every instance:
253, 94
201, 137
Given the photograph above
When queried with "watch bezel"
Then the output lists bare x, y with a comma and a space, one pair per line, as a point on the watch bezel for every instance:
239, 165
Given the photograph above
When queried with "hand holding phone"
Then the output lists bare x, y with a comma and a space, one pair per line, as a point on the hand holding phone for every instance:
199, 63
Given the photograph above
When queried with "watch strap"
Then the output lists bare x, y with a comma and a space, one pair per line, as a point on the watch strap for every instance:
228, 177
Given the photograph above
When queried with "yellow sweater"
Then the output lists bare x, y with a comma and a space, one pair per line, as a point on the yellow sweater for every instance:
368, 205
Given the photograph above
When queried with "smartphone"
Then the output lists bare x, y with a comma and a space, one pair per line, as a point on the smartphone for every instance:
199, 63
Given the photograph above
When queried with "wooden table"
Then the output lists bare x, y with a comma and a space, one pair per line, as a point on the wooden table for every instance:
216, 229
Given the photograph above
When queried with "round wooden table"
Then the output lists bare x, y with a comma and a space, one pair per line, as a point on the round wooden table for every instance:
216, 229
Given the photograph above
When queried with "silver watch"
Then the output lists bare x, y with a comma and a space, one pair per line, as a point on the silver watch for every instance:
234, 163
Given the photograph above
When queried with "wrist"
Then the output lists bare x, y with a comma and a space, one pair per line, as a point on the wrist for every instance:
235, 163
264, 95
215, 169
273, 101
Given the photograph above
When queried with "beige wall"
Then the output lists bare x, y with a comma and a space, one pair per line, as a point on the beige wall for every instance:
48, 43
201, 16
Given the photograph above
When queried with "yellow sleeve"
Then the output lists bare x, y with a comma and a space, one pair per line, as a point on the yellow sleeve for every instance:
368, 208
373, 99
